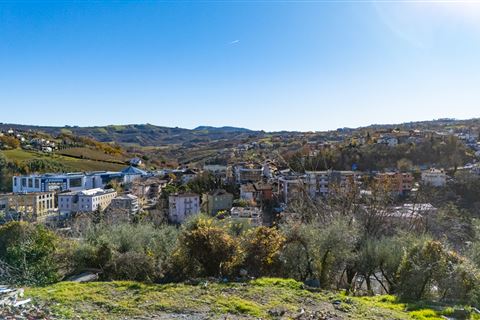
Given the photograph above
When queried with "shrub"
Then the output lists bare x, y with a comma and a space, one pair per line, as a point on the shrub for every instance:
206, 249
128, 252
131, 265
30, 251
262, 251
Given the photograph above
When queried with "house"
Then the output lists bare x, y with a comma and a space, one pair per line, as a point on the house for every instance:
188, 175
136, 162
215, 168
127, 202
218, 200
256, 192
85, 201
388, 140
183, 205
434, 178
248, 192
250, 215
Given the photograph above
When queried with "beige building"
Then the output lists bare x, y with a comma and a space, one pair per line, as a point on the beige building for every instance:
31, 205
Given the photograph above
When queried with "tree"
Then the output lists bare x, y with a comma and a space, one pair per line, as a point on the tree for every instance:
318, 250
404, 165
206, 249
9, 142
3, 172
262, 247
452, 224
31, 251
424, 267
203, 183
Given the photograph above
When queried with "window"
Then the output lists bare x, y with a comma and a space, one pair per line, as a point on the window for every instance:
75, 182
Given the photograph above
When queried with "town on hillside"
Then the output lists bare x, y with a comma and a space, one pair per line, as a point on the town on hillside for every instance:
257, 182
381, 212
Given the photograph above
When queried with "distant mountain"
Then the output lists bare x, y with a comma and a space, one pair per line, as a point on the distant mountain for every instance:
143, 134
221, 129
151, 135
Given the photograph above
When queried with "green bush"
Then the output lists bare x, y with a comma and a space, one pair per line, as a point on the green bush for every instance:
31, 252
127, 252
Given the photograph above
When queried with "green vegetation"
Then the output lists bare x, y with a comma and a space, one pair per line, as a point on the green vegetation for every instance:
69, 163
258, 299
447, 152
28, 254
91, 154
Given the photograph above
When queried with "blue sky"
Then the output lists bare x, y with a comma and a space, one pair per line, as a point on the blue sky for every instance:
272, 65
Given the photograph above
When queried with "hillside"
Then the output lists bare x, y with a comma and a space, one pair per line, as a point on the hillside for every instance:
260, 299
152, 135
141, 134
71, 163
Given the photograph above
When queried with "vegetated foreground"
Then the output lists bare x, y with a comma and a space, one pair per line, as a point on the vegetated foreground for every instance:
266, 298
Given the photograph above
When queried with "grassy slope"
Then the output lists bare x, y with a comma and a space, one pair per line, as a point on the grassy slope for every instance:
112, 300
72, 164
92, 154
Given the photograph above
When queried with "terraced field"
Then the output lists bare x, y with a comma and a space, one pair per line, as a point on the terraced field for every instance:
70, 163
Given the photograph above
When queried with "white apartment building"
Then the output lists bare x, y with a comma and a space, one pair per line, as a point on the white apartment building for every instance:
85, 201
434, 178
183, 205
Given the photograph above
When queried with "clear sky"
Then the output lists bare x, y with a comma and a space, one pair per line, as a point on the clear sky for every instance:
272, 65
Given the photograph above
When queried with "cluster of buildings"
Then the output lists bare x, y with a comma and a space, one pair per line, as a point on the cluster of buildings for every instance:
263, 184
28, 142
36, 197
260, 186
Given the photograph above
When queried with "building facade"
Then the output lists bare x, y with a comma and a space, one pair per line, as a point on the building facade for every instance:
434, 178
76, 181
250, 215
85, 201
127, 202
31, 205
183, 205
218, 200
398, 182
321, 183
